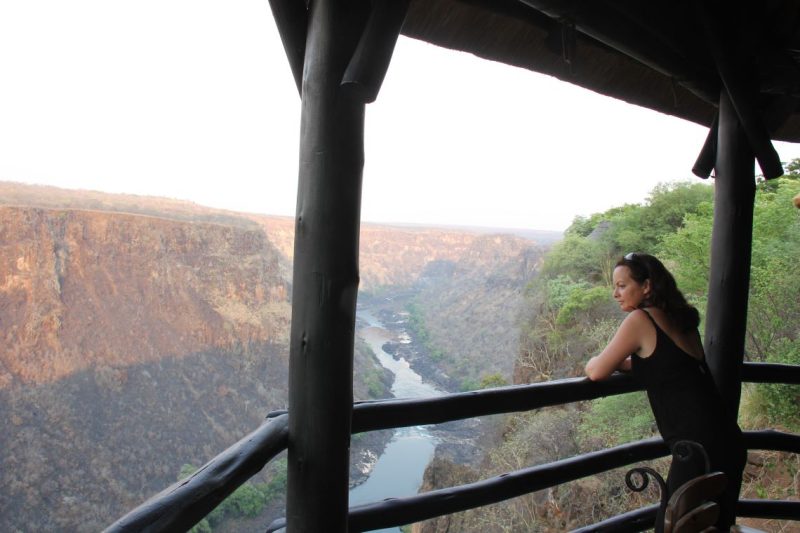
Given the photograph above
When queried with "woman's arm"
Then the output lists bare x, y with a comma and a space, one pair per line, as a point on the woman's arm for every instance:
615, 356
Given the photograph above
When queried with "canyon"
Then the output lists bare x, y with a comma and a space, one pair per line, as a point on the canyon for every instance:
143, 334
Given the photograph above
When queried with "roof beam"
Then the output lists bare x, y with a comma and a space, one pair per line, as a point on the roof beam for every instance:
735, 71
372, 56
708, 154
291, 17
633, 39
775, 115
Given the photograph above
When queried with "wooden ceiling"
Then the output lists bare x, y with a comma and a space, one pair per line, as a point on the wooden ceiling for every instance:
670, 56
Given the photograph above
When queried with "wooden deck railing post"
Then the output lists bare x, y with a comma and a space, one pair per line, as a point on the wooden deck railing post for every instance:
731, 243
325, 273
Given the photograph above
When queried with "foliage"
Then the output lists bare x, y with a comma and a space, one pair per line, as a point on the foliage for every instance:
374, 385
580, 302
781, 403
569, 316
568, 320
614, 420
592, 245
577, 257
370, 380
202, 527
561, 288
245, 502
469, 384
416, 323
493, 380
686, 252
774, 304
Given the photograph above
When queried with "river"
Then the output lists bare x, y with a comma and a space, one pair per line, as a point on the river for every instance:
399, 470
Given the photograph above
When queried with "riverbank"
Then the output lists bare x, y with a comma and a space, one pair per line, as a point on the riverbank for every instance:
458, 441
409, 348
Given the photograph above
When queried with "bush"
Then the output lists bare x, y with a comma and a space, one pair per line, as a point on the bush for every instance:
614, 420
581, 302
469, 384
276, 486
201, 527
493, 380
247, 501
781, 403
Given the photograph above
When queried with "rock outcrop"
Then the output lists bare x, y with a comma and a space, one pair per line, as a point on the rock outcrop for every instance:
81, 288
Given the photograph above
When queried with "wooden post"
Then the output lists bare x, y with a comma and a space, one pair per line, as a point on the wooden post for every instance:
731, 243
326, 279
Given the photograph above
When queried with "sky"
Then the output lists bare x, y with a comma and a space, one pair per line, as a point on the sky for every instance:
194, 99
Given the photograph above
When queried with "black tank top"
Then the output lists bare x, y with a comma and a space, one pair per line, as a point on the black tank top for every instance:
684, 399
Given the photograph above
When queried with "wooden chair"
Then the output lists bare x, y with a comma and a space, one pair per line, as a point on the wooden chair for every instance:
690, 508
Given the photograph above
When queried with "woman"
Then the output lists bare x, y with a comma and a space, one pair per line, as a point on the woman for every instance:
660, 343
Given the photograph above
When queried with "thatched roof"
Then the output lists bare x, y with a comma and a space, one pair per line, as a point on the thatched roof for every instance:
659, 54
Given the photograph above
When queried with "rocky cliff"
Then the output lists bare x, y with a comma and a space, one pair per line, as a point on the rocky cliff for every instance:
470, 307
389, 256
81, 289
132, 345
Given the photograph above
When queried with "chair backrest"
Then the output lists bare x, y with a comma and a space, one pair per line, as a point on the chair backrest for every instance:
700, 519
690, 508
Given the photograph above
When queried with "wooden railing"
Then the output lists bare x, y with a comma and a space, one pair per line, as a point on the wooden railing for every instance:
186, 502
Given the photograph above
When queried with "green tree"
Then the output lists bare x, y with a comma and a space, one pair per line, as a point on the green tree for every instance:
687, 252
779, 403
493, 380
614, 420
203, 526
245, 502
774, 310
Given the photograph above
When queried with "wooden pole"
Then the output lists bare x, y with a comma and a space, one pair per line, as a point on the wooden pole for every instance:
326, 278
731, 243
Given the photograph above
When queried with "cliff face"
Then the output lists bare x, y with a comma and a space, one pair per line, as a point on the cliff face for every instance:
82, 288
388, 255
471, 306
131, 345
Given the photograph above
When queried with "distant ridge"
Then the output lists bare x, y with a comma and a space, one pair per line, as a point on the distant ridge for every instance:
48, 196
541, 236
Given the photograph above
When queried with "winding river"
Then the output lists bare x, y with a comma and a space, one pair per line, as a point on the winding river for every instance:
399, 470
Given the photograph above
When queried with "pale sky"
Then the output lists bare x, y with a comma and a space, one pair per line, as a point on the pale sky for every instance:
194, 99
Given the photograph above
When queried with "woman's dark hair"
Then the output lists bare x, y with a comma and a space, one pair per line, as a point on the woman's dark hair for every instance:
664, 292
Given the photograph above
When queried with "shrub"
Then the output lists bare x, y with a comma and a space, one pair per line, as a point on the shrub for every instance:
615, 420
781, 403
493, 380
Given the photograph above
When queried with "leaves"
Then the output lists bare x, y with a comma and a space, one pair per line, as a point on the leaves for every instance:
569, 319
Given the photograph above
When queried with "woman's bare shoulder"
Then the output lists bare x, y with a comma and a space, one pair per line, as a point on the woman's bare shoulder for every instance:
637, 318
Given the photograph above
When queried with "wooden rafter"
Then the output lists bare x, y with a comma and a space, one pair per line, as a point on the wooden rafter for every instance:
370, 61
736, 73
291, 16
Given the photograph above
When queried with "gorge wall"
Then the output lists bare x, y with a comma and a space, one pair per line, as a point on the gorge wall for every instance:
132, 345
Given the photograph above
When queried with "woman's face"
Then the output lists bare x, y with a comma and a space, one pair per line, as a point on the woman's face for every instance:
628, 292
